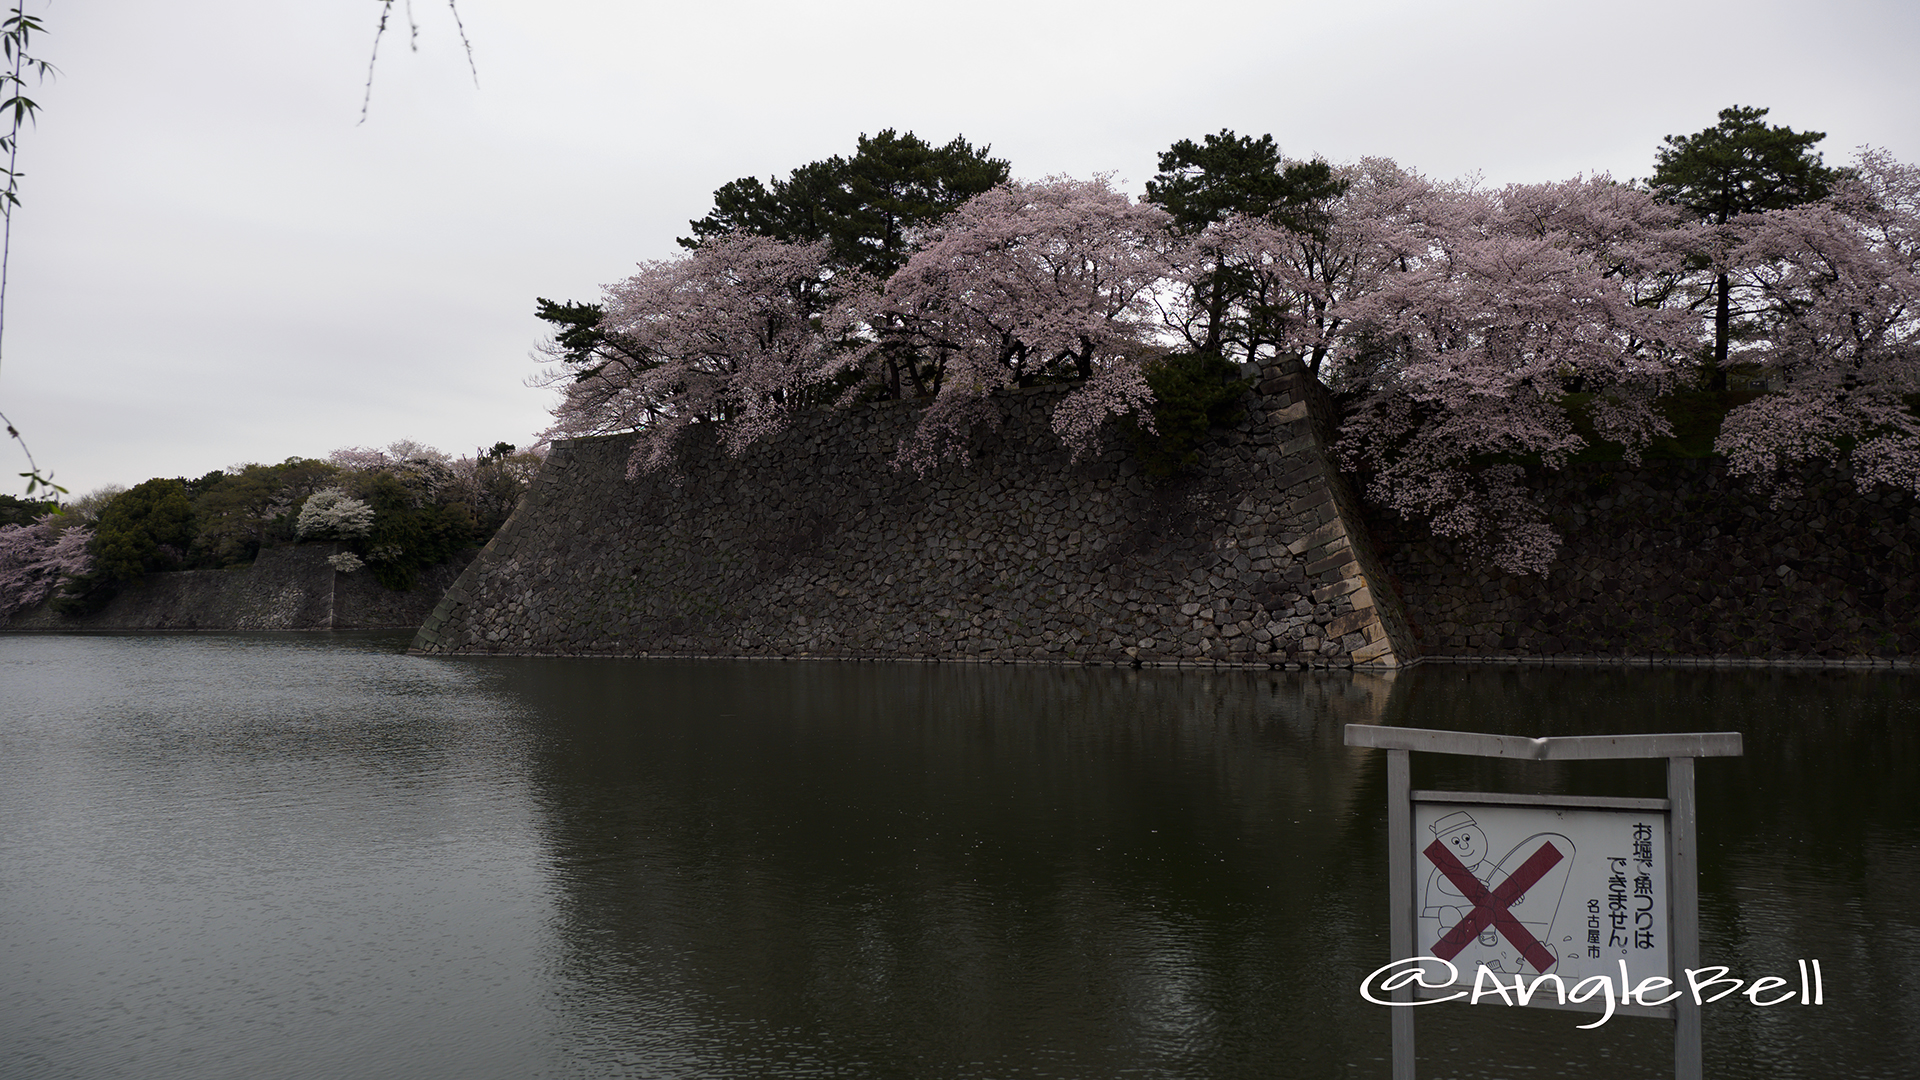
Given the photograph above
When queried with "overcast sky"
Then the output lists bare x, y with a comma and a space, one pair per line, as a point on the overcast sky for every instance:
216, 263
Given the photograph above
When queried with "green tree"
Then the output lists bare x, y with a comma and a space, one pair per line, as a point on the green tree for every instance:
232, 513
1741, 165
1229, 175
870, 207
239, 512
234, 517
894, 187
408, 533
799, 209
22, 512
498, 479
581, 344
147, 527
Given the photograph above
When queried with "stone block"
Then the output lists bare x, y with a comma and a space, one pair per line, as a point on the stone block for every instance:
1340, 559
1324, 593
1317, 538
1350, 622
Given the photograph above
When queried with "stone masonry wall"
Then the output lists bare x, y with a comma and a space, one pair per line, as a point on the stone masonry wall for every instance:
1676, 560
810, 544
286, 588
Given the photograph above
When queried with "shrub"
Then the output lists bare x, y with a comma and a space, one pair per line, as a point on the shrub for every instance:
1193, 393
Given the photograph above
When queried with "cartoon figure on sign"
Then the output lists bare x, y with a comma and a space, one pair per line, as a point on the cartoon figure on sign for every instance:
1465, 886
1445, 902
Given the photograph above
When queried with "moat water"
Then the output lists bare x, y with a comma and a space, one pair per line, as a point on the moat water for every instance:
270, 856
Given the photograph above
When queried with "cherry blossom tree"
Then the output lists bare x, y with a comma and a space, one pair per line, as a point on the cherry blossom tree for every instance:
1297, 274
1463, 329
1058, 280
332, 514
35, 558
744, 331
395, 456
1230, 295
1838, 289
1496, 307
489, 482
427, 474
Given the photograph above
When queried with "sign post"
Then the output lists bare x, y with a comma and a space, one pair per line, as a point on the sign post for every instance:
1533, 886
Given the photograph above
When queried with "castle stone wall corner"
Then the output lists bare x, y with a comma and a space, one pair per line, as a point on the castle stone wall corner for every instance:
812, 545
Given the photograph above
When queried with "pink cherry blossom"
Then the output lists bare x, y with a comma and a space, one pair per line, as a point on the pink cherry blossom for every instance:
35, 558
1835, 288
1056, 280
1494, 306
743, 332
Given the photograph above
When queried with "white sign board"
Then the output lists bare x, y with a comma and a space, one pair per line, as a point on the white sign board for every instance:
1528, 890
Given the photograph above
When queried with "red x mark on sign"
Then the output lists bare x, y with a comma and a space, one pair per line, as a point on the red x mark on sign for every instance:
1491, 907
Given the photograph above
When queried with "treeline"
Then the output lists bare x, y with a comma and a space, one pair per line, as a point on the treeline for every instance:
1470, 333
395, 511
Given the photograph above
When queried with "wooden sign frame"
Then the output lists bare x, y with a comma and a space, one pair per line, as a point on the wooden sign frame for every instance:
1683, 894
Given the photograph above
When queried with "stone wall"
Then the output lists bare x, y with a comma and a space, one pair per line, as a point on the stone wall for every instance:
1677, 560
286, 588
810, 544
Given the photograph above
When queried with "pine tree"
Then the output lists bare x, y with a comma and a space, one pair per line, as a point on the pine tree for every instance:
870, 207
1739, 166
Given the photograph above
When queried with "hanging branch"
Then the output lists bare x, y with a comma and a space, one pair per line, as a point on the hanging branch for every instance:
14, 34
413, 44
453, 6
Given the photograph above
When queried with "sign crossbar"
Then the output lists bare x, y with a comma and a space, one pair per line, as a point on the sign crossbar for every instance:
1557, 748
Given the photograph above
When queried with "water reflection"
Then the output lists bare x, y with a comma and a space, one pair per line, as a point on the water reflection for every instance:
287, 856
906, 870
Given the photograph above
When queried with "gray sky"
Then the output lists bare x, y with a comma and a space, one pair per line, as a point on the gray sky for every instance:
215, 263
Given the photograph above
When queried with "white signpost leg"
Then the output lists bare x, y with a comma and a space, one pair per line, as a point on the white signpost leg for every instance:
1400, 895
1685, 893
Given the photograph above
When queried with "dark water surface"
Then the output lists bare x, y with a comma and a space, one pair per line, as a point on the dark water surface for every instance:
313, 856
